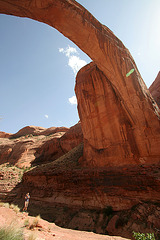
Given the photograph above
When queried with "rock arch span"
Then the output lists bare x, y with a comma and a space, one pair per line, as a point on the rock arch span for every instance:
120, 120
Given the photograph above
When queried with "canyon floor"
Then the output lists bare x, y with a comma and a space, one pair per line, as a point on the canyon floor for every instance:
40, 229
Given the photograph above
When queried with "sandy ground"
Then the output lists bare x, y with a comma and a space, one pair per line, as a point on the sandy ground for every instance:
45, 230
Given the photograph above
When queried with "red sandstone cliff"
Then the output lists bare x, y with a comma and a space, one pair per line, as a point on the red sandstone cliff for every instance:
5, 135
54, 148
112, 135
99, 200
81, 197
140, 125
33, 145
155, 89
38, 131
119, 164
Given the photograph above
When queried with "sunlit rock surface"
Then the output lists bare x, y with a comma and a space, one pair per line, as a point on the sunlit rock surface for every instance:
35, 145
112, 135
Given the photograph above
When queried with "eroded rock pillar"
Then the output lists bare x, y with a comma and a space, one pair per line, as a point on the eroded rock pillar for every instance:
113, 137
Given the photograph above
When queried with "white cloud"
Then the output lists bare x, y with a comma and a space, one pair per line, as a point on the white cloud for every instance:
73, 100
76, 63
46, 116
73, 61
61, 50
68, 51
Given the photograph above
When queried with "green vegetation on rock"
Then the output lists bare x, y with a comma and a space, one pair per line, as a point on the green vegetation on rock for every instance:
143, 236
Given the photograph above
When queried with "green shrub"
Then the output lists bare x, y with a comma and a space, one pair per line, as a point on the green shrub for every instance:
143, 236
11, 233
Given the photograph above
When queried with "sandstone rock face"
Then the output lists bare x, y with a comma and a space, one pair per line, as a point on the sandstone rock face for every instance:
20, 151
36, 145
37, 131
119, 119
58, 146
112, 135
49, 151
5, 135
81, 197
65, 183
140, 125
155, 89
72, 138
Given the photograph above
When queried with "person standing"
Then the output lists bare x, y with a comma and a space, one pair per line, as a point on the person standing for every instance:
26, 203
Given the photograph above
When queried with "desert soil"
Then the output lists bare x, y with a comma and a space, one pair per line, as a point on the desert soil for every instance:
45, 230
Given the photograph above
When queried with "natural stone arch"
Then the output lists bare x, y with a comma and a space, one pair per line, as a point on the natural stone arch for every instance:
113, 61
77, 24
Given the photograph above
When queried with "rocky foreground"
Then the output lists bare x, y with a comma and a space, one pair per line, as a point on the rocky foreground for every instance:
39, 229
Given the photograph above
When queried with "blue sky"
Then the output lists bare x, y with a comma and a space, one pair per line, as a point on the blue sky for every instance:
38, 64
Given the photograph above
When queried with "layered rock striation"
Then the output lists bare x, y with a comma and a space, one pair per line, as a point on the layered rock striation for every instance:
77, 196
99, 200
35, 145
